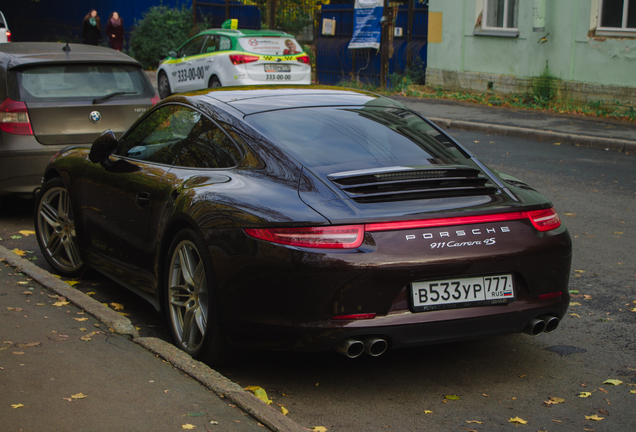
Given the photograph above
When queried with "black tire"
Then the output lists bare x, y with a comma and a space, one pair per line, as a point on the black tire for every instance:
192, 309
164, 85
214, 82
55, 229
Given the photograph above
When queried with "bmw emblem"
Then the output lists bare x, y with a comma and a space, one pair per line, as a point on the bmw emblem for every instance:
95, 116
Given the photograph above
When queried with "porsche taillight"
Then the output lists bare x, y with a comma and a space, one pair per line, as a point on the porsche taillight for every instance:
8, 36
14, 118
331, 237
237, 59
544, 220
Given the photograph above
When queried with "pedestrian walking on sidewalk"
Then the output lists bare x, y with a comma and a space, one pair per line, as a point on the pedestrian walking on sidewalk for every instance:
91, 29
115, 31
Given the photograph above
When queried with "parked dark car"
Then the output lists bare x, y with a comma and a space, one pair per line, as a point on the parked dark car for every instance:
306, 219
53, 95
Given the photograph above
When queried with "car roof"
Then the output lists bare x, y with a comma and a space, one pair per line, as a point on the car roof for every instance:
247, 33
25, 53
255, 100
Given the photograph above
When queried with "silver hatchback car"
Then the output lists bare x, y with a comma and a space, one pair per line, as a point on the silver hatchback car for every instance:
53, 95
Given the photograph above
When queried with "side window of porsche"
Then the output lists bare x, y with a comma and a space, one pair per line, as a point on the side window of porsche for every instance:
161, 136
209, 147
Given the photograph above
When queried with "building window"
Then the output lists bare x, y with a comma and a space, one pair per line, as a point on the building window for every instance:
617, 15
500, 14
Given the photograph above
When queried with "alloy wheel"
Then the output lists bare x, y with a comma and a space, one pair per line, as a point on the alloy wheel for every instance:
56, 230
188, 296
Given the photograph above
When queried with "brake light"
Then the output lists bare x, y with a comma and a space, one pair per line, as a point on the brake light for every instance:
242, 58
304, 59
544, 220
14, 118
333, 237
8, 36
155, 99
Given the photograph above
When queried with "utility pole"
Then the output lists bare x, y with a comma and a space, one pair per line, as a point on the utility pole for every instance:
272, 15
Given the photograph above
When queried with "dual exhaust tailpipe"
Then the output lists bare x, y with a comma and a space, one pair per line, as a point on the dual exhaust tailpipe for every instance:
353, 348
541, 324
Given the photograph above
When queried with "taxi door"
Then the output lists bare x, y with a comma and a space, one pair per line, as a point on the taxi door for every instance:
186, 72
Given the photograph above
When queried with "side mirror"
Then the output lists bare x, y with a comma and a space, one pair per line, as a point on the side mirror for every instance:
172, 54
103, 147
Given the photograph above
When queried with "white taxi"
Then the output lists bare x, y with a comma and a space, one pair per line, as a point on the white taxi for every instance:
226, 57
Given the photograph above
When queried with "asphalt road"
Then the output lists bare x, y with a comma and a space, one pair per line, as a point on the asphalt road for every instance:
496, 379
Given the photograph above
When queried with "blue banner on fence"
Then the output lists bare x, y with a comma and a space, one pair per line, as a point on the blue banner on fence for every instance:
367, 29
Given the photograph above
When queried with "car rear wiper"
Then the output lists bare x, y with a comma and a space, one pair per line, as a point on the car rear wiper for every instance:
108, 96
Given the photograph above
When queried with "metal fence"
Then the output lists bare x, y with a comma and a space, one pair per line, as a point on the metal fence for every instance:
336, 63
215, 12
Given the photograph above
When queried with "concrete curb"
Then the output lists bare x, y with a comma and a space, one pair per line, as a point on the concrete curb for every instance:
117, 322
201, 372
619, 145
220, 385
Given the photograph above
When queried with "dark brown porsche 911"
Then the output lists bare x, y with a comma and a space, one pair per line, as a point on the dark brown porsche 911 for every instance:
306, 219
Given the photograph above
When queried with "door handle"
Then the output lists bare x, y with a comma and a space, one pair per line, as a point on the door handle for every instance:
142, 199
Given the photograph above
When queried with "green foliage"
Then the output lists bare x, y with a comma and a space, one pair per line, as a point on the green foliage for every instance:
544, 89
160, 30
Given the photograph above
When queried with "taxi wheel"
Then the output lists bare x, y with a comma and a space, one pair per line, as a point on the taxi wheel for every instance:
164, 86
214, 82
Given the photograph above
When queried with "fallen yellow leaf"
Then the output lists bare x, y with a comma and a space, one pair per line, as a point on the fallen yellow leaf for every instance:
259, 393
26, 233
16, 405
474, 421
517, 420
284, 410
78, 396
89, 336
187, 426
60, 303
556, 400
91, 293
319, 429
594, 417
117, 306
452, 397
584, 394
18, 252
575, 315
614, 382
72, 283
81, 319
632, 391
575, 304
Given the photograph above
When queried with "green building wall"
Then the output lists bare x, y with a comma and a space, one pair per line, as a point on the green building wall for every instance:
590, 67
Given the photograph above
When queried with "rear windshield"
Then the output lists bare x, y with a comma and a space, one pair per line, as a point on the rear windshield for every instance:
329, 136
270, 45
79, 82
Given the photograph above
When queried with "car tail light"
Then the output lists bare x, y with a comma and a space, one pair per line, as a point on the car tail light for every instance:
155, 99
14, 118
304, 59
333, 237
242, 58
8, 36
544, 220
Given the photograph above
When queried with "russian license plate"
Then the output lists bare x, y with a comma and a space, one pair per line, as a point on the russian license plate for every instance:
462, 292
277, 68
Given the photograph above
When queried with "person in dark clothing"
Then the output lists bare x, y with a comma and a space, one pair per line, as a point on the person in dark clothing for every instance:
115, 31
91, 29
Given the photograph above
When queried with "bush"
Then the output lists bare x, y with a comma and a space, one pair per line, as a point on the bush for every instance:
160, 30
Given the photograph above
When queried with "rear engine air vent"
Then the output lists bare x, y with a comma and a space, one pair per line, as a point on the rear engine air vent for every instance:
399, 185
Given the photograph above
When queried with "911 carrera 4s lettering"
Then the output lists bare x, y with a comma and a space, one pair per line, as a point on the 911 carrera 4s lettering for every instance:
489, 241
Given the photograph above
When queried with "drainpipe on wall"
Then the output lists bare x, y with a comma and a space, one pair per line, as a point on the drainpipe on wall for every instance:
538, 16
